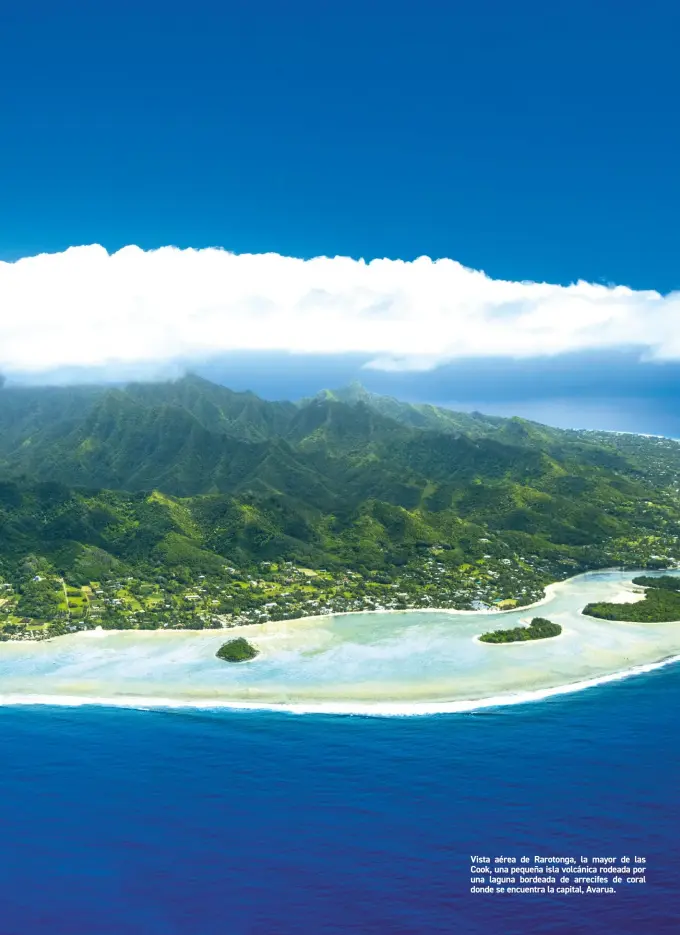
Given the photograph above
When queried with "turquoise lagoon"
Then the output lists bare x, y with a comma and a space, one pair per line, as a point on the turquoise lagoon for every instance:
384, 663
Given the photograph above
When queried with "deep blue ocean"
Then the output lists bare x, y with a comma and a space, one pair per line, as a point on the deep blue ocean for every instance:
124, 822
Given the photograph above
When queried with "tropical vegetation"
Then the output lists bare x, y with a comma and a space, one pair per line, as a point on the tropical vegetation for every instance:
185, 504
538, 629
661, 604
238, 650
666, 582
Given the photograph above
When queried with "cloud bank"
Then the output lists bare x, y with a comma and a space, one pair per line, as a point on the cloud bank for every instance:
88, 308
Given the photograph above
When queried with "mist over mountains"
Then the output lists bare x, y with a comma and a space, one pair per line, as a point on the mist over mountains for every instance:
191, 436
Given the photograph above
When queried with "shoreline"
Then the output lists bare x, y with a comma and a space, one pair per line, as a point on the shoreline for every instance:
436, 695
542, 639
344, 708
551, 591
101, 631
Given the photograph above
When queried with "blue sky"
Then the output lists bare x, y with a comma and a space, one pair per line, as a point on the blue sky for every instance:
533, 141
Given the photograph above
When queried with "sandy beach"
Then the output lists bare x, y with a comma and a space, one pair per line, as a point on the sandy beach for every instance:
397, 661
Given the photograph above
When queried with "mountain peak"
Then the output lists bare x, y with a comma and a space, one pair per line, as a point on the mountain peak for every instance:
354, 392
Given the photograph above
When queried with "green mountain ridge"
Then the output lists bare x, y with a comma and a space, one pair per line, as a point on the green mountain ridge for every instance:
344, 479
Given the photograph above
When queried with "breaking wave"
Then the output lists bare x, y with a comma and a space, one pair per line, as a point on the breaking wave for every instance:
350, 708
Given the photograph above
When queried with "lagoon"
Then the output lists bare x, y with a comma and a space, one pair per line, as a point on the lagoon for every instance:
410, 662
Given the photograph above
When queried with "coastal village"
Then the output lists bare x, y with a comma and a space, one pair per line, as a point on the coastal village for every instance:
45, 605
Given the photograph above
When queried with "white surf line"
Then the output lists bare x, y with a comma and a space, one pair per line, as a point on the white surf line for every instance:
349, 708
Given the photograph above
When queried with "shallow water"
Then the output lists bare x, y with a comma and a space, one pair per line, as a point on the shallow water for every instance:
399, 663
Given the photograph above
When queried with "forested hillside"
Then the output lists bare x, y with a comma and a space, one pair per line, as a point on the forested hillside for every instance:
186, 504
189, 475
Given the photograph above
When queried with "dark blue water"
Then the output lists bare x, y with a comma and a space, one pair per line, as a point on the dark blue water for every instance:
119, 822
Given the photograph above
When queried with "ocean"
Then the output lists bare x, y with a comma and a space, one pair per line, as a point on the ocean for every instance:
118, 821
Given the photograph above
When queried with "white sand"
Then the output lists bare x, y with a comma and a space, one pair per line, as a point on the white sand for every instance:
412, 661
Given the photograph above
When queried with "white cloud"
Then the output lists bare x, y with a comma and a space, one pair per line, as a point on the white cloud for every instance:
86, 308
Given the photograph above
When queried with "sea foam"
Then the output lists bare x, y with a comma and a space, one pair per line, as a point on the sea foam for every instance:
348, 708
